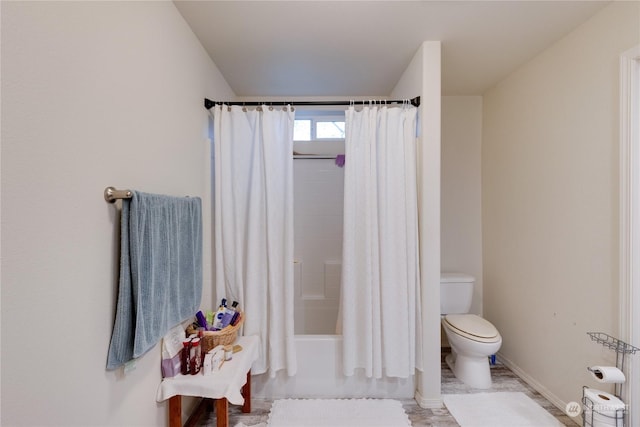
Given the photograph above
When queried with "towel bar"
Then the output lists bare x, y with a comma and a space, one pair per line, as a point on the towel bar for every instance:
111, 194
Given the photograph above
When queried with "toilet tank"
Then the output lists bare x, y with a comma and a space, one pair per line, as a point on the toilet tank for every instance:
456, 293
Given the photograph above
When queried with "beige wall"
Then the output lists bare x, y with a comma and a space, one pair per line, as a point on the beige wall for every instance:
550, 203
461, 240
423, 76
93, 94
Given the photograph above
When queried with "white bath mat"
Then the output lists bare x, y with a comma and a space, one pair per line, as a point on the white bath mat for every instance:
502, 409
337, 413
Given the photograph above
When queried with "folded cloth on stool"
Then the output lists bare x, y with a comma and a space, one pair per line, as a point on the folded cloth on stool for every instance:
227, 382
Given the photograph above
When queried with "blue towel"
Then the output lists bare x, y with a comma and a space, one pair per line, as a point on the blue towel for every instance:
160, 271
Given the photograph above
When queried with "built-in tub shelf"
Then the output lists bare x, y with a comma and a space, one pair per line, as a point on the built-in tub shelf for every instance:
613, 343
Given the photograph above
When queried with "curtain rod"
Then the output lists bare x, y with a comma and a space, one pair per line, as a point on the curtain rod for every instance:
208, 104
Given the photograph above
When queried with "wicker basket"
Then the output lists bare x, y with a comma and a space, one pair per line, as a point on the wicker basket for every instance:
227, 336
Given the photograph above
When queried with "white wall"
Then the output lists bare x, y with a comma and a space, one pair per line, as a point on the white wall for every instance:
423, 76
318, 215
93, 94
461, 225
550, 204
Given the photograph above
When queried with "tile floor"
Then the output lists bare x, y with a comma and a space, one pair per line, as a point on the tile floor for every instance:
503, 380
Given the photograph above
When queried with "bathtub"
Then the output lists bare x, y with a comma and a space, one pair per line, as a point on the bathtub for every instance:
320, 376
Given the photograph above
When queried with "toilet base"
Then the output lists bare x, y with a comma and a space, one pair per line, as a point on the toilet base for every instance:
473, 371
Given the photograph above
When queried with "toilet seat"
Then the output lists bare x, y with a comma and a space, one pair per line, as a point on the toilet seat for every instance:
472, 327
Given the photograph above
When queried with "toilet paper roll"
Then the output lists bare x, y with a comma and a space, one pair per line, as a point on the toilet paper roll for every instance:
599, 420
607, 374
603, 408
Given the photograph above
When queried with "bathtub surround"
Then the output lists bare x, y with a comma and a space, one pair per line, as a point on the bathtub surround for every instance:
381, 318
254, 225
318, 211
321, 374
422, 77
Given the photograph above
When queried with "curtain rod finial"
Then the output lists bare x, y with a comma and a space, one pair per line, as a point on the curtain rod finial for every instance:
208, 104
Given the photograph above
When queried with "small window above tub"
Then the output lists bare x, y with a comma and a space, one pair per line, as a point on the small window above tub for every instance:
330, 129
318, 133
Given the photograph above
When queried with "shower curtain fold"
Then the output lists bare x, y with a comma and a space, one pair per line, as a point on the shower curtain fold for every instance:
380, 270
253, 226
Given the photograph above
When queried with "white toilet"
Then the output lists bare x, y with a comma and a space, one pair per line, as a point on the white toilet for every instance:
472, 338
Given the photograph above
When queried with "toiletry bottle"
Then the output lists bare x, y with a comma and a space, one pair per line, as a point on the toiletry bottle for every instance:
185, 357
202, 321
236, 314
228, 315
194, 365
209, 318
217, 321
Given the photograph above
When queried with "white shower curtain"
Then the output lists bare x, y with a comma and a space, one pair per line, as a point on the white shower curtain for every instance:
254, 226
380, 270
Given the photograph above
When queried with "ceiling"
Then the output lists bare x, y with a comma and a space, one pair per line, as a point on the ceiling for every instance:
361, 48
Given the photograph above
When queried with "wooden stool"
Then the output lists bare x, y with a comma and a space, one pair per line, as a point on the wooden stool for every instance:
232, 384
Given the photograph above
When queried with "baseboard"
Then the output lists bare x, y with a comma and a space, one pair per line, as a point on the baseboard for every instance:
428, 403
555, 400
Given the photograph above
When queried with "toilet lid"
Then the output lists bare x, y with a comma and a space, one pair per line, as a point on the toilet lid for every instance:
475, 326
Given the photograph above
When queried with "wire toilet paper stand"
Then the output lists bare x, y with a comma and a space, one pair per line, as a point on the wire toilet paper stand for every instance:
592, 410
